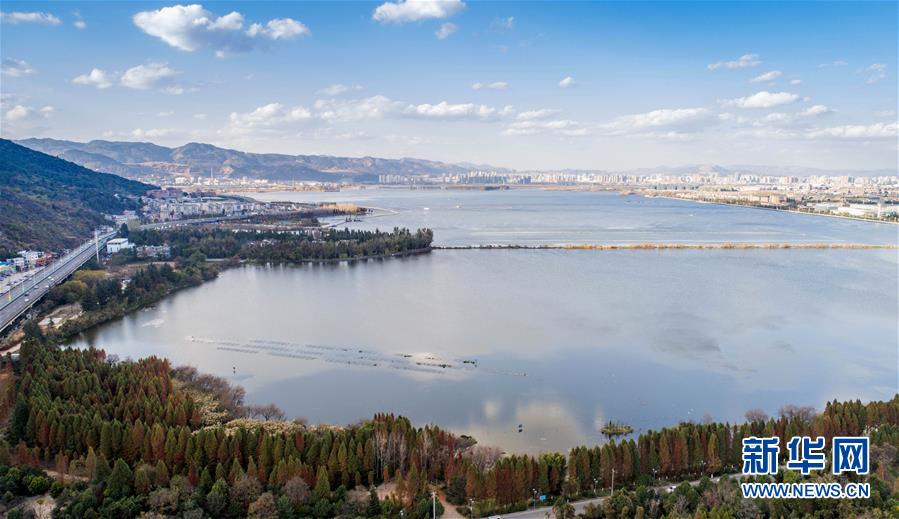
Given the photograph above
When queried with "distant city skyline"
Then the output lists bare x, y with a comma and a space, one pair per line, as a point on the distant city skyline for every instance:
527, 86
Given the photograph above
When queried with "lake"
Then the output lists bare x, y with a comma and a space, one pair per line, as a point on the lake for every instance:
557, 341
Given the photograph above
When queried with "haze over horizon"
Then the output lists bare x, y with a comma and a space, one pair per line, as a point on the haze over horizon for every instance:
576, 86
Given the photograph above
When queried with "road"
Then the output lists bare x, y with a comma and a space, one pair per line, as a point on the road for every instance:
19, 299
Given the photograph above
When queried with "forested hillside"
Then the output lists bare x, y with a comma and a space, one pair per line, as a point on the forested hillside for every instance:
48, 204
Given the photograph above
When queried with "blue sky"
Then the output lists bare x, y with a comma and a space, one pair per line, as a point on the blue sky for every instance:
527, 85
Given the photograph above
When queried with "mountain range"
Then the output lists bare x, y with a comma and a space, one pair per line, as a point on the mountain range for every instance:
136, 159
143, 159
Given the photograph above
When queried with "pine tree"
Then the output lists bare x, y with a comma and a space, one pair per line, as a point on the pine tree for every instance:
118, 485
322, 488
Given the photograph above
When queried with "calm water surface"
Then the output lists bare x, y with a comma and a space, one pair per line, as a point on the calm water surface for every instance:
557, 341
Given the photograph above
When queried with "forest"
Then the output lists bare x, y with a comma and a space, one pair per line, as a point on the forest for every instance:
49, 204
285, 247
127, 437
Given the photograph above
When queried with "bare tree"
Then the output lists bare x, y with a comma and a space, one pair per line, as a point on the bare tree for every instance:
756, 415
264, 507
266, 412
297, 490
245, 490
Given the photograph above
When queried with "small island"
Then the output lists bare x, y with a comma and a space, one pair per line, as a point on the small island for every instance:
616, 429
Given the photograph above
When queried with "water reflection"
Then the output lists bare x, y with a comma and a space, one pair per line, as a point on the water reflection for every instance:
648, 338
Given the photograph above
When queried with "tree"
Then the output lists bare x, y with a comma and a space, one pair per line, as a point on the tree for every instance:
118, 485
245, 490
264, 507
562, 509
756, 415
142, 480
217, 498
296, 490
102, 469
322, 488
374, 504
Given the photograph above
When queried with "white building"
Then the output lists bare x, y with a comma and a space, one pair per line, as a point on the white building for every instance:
118, 244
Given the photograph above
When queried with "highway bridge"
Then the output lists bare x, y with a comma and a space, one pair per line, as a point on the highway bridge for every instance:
18, 300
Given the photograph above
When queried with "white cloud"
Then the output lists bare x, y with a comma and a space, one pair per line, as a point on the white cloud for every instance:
377, 107
191, 27
763, 99
278, 29
19, 113
151, 75
154, 133
279, 117
30, 17
142, 77
496, 85
165, 114
567, 81
663, 118
444, 110
374, 107
337, 89
403, 11
446, 30
871, 131
744, 61
816, 110
97, 78
531, 115
16, 68
503, 24
837, 63
767, 76
795, 81
80, 24
267, 116
561, 127
878, 71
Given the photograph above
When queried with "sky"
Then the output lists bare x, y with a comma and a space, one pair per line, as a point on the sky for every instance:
535, 85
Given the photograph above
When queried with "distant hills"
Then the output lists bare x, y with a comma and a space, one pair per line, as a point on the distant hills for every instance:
133, 159
49, 204
140, 159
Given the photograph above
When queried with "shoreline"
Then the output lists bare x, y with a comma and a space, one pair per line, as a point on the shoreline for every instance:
670, 246
794, 211
222, 264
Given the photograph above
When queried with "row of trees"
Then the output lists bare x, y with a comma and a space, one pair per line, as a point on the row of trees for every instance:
274, 246
133, 429
103, 298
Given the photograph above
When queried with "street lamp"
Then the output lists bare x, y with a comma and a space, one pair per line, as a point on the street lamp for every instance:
470, 508
613, 481
434, 504
534, 490
595, 481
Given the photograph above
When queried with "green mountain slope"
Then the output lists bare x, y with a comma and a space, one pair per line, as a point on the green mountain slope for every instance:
48, 204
